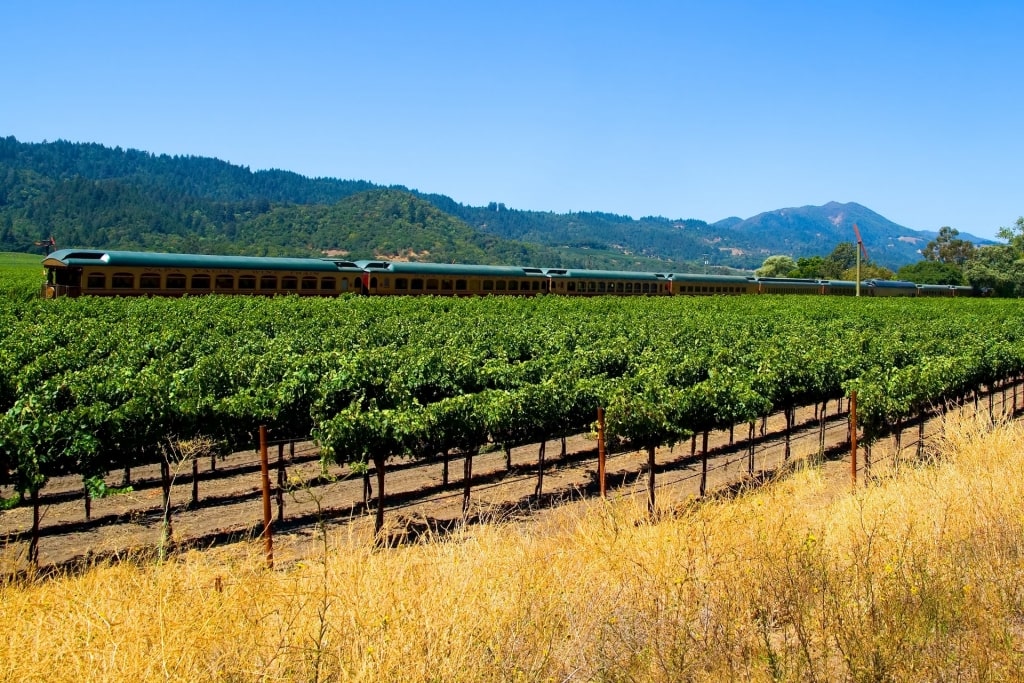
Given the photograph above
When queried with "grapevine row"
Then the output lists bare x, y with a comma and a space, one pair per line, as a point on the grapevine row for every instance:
92, 385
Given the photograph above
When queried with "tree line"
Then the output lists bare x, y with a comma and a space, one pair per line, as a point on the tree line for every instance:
946, 260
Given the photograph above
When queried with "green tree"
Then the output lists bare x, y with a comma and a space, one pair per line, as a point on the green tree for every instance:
1014, 235
932, 273
809, 267
776, 266
844, 256
948, 248
868, 271
998, 267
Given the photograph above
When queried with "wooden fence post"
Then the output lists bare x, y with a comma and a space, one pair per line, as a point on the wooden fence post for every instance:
601, 453
281, 478
268, 534
650, 480
853, 437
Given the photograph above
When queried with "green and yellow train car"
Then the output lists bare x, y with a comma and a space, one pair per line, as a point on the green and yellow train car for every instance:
582, 282
685, 284
454, 279
76, 272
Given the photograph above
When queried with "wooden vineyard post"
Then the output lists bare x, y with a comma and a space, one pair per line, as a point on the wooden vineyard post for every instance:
822, 425
279, 491
920, 434
704, 464
379, 462
540, 470
268, 534
166, 530
853, 437
33, 544
750, 451
788, 413
467, 482
601, 453
195, 481
650, 480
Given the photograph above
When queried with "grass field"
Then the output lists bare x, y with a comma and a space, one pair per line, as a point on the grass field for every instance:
915, 577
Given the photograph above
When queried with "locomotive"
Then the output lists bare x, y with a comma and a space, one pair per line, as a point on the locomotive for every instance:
77, 272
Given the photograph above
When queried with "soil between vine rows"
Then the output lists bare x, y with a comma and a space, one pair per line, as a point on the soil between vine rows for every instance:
230, 498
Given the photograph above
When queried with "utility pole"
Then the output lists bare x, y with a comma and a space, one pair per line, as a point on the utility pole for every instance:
860, 243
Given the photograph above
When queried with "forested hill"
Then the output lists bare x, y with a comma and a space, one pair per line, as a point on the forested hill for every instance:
90, 195
94, 196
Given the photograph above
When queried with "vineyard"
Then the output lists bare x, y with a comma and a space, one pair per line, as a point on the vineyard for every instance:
92, 388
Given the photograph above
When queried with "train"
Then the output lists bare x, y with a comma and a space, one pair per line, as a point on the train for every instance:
96, 272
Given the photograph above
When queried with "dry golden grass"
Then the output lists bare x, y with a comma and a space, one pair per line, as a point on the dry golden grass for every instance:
916, 577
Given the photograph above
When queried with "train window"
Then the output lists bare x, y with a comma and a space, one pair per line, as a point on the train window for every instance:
432, 285
446, 285
601, 288
499, 285
200, 282
536, 285
122, 281
309, 283
488, 285
460, 285
149, 281
176, 281
268, 282
401, 283
513, 285
328, 284
247, 282
645, 288
629, 288
572, 286
96, 281
224, 282
373, 283
289, 282
620, 287
416, 284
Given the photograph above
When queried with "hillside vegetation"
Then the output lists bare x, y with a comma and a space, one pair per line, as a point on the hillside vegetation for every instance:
88, 195
93, 196
917, 577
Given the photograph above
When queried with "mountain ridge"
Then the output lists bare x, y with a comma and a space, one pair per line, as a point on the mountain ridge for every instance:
87, 194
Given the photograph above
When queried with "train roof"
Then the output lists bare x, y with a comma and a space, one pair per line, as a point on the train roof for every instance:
890, 283
451, 269
790, 280
583, 274
145, 259
711, 279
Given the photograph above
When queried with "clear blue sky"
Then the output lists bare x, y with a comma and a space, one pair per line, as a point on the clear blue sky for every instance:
681, 109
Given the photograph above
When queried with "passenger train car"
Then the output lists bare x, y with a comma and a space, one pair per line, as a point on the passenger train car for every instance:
76, 272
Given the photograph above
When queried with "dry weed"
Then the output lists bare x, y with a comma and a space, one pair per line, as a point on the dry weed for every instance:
918, 576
